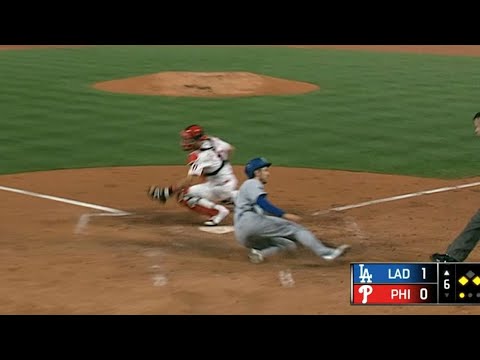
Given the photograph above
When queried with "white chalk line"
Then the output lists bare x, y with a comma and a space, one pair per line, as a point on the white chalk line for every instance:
84, 219
159, 279
352, 227
398, 197
59, 199
286, 278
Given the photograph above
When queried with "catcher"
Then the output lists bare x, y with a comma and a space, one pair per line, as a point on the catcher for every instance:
208, 160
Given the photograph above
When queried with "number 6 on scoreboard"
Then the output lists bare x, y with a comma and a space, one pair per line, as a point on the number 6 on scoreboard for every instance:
446, 284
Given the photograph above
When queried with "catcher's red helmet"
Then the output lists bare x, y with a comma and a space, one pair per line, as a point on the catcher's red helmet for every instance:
190, 135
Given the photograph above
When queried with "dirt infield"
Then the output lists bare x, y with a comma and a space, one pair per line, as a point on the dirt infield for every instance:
155, 260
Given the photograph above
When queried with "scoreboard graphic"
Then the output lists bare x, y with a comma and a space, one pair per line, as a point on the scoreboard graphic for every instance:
414, 283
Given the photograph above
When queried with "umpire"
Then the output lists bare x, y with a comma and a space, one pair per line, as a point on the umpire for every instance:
465, 242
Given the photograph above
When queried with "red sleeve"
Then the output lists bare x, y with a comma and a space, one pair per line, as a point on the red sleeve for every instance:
193, 156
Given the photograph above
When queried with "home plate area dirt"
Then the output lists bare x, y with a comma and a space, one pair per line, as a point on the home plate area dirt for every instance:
155, 260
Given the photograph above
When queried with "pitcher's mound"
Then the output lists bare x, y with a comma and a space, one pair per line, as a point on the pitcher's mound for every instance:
206, 84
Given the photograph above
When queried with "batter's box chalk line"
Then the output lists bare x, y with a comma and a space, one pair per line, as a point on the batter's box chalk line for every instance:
159, 280
84, 220
224, 229
352, 227
286, 278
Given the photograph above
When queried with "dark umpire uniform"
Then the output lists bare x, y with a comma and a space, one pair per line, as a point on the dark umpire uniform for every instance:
465, 242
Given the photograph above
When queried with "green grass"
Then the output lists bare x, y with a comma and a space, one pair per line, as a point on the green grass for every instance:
379, 112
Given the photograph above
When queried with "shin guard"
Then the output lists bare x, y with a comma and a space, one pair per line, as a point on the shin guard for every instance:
193, 205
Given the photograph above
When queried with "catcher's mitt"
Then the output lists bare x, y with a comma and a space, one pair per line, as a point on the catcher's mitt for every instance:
161, 194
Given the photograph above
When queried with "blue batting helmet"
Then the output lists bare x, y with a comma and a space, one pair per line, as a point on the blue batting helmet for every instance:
255, 164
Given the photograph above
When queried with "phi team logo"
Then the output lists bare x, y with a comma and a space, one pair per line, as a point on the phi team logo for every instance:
365, 290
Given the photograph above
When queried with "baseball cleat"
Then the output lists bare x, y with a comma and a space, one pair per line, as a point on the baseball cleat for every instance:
255, 256
336, 252
210, 223
217, 219
442, 258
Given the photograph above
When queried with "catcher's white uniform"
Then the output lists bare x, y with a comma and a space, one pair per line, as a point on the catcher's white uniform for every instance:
211, 163
221, 147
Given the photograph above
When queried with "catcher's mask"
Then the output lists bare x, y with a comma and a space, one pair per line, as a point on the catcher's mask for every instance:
190, 136
255, 164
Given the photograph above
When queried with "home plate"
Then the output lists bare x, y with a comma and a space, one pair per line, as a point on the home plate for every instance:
216, 229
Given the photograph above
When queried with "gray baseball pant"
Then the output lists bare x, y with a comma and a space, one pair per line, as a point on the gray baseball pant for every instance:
272, 234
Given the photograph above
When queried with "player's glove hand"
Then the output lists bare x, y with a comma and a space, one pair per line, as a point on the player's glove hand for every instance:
160, 193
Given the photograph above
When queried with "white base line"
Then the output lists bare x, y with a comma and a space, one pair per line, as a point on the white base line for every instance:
83, 219
398, 197
67, 201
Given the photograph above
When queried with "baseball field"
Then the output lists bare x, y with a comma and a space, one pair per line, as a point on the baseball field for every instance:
372, 145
